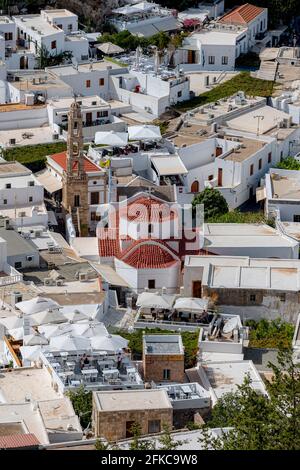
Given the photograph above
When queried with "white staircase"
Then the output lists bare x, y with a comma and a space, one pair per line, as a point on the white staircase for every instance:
267, 70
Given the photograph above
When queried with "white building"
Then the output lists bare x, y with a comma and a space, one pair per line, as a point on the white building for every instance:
150, 92
254, 240
56, 31
217, 47
96, 116
88, 79
282, 194
21, 196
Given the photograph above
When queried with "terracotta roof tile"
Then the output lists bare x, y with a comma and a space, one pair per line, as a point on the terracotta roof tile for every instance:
146, 209
61, 160
149, 256
242, 15
18, 440
108, 242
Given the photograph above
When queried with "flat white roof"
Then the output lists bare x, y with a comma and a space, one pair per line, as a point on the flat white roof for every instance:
20, 383
58, 13
212, 37
41, 26
125, 400
244, 235
224, 377
32, 136
83, 68
87, 102
237, 272
248, 122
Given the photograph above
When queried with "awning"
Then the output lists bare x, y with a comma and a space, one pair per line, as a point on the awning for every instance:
155, 300
50, 182
260, 194
169, 165
191, 304
109, 275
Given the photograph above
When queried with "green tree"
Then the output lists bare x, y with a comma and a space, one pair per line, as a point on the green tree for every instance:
137, 443
258, 422
166, 440
289, 163
82, 404
214, 203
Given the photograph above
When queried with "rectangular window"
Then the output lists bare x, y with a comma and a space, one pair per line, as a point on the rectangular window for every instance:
296, 217
70, 27
224, 60
154, 426
211, 59
101, 114
76, 200
18, 265
259, 164
252, 297
150, 228
166, 374
282, 297
8, 185
251, 169
211, 177
30, 199
269, 157
31, 183
151, 283
179, 94
4, 201
101, 82
53, 45
88, 83
95, 197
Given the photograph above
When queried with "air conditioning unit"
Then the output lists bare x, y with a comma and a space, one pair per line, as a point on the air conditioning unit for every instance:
48, 281
83, 277
59, 282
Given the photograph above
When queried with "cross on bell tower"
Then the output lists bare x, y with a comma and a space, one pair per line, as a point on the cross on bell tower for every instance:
75, 180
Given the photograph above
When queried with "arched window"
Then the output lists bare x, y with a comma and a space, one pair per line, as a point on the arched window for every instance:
195, 187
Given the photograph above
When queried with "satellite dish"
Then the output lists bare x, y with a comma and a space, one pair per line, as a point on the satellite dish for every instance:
230, 325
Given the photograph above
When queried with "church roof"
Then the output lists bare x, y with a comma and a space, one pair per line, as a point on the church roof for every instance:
61, 160
149, 255
243, 14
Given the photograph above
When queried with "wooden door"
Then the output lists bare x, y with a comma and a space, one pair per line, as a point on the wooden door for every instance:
197, 289
220, 176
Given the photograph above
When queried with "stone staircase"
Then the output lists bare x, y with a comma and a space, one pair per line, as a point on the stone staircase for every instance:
267, 70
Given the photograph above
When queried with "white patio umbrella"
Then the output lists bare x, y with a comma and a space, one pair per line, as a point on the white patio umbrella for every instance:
35, 305
48, 331
144, 132
75, 316
88, 330
69, 343
12, 322
154, 300
48, 316
191, 303
18, 333
35, 340
116, 139
109, 48
30, 353
109, 343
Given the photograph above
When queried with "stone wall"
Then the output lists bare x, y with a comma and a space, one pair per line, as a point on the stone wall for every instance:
112, 424
154, 365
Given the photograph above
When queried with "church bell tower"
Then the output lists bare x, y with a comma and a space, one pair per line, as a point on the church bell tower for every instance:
75, 180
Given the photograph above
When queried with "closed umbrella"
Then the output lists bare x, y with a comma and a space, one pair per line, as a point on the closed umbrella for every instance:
115, 139
69, 343
35, 305
109, 343
49, 316
144, 132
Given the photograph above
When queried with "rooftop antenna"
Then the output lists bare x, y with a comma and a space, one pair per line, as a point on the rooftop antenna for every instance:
259, 118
